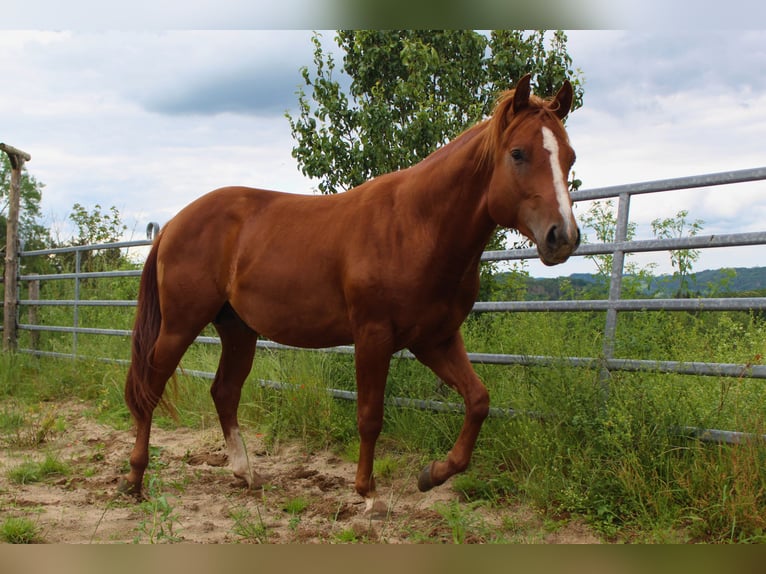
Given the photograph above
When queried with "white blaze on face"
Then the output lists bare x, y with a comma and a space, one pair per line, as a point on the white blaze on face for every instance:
551, 144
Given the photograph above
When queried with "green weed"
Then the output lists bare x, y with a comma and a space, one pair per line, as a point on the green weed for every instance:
11, 420
19, 531
460, 520
385, 466
35, 432
484, 484
346, 536
250, 528
159, 519
296, 505
37, 471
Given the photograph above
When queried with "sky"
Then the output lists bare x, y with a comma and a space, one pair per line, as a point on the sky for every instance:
148, 119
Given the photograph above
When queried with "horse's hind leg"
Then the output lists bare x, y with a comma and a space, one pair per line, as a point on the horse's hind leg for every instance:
168, 351
237, 351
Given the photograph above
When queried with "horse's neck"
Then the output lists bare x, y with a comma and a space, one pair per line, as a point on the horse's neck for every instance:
450, 190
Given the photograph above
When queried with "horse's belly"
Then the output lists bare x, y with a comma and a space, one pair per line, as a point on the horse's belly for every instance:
291, 320
311, 335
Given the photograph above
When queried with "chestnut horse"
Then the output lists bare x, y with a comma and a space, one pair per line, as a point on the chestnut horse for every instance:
391, 264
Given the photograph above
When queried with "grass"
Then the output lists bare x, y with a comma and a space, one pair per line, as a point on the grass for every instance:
348, 536
31, 471
19, 530
458, 519
248, 527
159, 520
296, 505
11, 420
611, 458
26, 430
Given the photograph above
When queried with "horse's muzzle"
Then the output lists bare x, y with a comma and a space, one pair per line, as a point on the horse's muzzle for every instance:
558, 245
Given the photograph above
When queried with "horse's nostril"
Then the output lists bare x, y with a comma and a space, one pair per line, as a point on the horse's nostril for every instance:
556, 238
552, 237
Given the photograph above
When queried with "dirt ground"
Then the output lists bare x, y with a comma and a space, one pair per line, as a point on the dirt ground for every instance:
193, 497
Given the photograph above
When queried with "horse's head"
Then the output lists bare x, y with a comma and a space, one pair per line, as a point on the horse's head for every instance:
531, 157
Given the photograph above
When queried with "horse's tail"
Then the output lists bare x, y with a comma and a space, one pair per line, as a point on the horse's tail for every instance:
139, 394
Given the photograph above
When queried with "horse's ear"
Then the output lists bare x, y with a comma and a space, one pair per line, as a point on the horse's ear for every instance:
521, 94
563, 100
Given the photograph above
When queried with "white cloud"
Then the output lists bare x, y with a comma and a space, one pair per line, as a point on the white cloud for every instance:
148, 120
88, 15
168, 72
82, 106
637, 126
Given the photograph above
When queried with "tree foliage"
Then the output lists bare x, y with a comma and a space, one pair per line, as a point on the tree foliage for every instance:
96, 227
682, 260
91, 227
601, 217
31, 232
403, 93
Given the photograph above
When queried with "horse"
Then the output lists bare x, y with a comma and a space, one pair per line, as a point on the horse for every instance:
389, 265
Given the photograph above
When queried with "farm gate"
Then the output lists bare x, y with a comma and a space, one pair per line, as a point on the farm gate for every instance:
613, 305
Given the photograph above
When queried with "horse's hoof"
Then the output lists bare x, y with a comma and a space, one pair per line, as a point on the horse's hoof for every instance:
127, 487
424, 480
251, 481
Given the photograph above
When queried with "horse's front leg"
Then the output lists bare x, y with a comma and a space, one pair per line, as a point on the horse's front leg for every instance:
449, 361
372, 359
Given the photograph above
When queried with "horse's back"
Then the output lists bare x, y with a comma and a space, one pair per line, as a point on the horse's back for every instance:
305, 270
276, 257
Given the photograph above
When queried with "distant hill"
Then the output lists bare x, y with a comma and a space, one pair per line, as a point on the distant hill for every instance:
746, 278
721, 282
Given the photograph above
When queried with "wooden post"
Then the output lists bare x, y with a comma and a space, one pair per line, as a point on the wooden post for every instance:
10, 305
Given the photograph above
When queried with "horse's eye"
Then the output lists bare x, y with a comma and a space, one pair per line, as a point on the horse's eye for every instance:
517, 154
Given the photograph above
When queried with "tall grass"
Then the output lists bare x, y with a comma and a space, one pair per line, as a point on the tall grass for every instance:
609, 450
618, 457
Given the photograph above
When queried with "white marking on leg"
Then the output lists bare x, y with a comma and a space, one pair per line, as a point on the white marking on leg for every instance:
551, 144
238, 456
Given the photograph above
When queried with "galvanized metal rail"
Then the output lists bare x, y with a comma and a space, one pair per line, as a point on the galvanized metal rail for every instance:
613, 305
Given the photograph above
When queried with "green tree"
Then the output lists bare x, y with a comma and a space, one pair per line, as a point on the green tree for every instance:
682, 260
31, 232
601, 218
403, 93
97, 227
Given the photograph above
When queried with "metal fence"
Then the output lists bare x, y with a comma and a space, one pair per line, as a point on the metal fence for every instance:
612, 305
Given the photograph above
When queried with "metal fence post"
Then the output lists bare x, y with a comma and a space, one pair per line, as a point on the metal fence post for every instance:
76, 318
34, 295
615, 281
